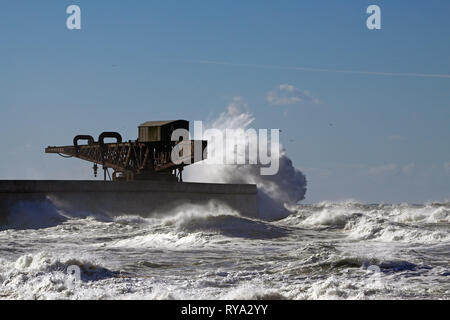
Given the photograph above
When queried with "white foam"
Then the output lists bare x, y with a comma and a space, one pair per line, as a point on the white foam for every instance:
161, 233
252, 291
426, 214
327, 217
398, 223
288, 186
321, 252
44, 276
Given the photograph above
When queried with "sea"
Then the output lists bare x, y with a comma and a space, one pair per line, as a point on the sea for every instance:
330, 250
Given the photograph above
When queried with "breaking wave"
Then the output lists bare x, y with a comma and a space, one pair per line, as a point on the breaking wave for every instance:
41, 214
190, 226
33, 215
391, 223
45, 276
322, 251
287, 187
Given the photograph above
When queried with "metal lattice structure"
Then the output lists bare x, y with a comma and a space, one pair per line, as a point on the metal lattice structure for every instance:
135, 160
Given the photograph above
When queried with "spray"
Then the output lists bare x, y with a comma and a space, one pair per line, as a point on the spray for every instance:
280, 184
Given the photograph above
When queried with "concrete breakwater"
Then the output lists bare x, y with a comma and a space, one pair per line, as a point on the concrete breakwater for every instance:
142, 198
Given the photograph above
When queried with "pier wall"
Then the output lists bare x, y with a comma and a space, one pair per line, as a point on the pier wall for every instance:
141, 198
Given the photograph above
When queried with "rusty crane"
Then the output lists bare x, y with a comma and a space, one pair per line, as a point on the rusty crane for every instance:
147, 158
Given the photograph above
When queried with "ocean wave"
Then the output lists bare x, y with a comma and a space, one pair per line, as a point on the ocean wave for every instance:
191, 226
166, 240
424, 214
337, 288
253, 291
391, 223
220, 219
45, 262
44, 276
33, 214
372, 229
42, 214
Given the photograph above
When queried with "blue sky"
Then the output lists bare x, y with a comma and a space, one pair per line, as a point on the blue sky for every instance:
374, 138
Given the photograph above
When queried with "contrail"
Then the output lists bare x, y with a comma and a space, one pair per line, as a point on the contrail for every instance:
373, 73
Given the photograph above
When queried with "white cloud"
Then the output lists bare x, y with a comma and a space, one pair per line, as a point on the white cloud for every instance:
237, 106
384, 169
447, 167
396, 137
286, 94
409, 168
390, 168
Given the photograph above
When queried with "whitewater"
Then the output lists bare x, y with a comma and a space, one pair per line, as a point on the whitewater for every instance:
329, 250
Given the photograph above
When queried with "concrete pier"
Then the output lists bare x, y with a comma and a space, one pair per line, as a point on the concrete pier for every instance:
143, 198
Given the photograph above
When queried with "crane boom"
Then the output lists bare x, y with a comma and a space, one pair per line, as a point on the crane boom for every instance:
133, 160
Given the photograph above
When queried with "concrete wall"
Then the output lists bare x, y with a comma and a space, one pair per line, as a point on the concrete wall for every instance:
125, 198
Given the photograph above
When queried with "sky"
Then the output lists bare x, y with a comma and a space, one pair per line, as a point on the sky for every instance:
364, 113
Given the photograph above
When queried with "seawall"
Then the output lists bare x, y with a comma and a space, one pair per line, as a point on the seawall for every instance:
143, 198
